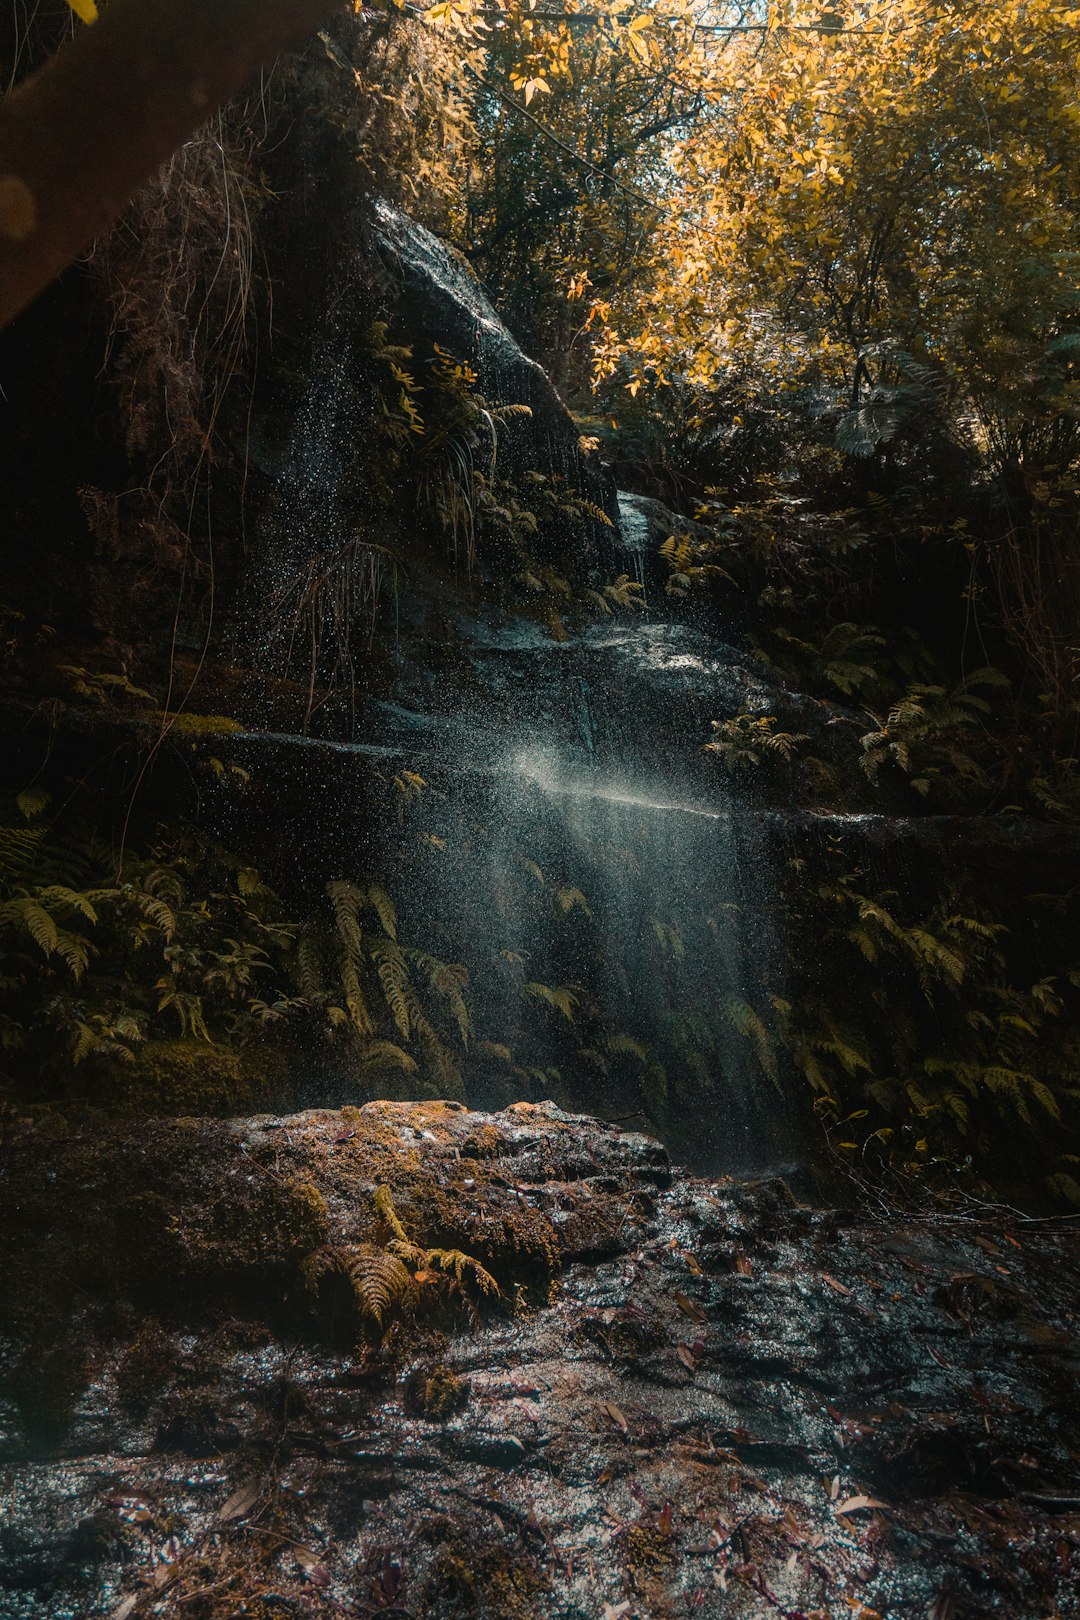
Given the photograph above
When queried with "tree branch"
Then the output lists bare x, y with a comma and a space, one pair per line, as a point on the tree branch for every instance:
80, 136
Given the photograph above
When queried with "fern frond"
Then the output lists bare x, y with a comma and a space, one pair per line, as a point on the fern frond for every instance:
749, 1023
454, 1260
74, 951
385, 1055
623, 1043
355, 999
562, 997
20, 848
393, 976
58, 894
309, 966
156, 910
347, 901
38, 923
384, 1208
567, 899
379, 1280
384, 909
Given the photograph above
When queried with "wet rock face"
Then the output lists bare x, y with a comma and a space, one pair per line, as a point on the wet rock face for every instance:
690, 1397
440, 297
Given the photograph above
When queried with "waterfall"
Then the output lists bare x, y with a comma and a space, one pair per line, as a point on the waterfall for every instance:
560, 849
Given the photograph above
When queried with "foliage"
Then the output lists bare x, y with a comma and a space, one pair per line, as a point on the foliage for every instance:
188, 942
923, 1042
393, 1274
871, 229
934, 735
747, 741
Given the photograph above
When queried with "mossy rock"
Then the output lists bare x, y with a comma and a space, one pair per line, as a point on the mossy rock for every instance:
191, 727
435, 1393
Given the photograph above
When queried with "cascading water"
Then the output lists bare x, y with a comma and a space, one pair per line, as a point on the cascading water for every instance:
565, 856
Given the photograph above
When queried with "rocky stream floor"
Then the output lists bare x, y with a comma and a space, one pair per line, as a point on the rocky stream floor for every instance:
690, 1397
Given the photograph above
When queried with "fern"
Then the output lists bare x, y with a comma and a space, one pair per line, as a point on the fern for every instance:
749, 1024
379, 1280
385, 1055
20, 850
620, 1043
393, 976
355, 1000
568, 899
563, 998
379, 1274
347, 901
384, 1209
384, 909
458, 1263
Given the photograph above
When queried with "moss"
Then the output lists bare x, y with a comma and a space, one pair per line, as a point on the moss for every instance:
195, 1077
194, 726
485, 1143
646, 1549
212, 1220
495, 1582
435, 1393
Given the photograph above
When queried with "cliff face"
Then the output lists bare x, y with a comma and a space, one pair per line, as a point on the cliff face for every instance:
687, 1392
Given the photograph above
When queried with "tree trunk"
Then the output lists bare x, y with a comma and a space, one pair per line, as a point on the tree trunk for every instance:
80, 136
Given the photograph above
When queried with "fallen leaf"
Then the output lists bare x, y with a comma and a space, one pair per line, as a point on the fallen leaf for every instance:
616, 1611
692, 1265
687, 1357
858, 1504
690, 1307
987, 1246
743, 1266
617, 1416
837, 1287
242, 1500
123, 1609
832, 1487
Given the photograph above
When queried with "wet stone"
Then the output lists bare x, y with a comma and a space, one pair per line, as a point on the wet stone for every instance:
690, 1396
